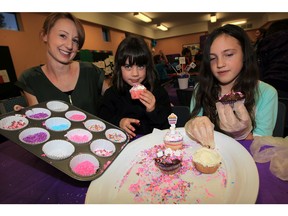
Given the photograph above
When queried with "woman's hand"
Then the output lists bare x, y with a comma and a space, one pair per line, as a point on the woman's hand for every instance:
235, 122
148, 99
127, 125
201, 129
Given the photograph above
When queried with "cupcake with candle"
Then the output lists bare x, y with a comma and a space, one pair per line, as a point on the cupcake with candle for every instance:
173, 139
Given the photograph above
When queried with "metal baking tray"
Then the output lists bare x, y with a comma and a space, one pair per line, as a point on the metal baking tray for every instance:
118, 137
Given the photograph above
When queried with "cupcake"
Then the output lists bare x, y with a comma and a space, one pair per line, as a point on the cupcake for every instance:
168, 161
206, 160
84, 165
173, 139
231, 98
136, 90
58, 149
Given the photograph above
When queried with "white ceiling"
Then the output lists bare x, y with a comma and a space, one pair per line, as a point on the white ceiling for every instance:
179, 23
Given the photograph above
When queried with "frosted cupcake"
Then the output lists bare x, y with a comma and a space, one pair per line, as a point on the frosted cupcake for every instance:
34, 135
58, 149
38, 113
206, 160
102, 148
84, 165
168, 161
79, 135
136, 90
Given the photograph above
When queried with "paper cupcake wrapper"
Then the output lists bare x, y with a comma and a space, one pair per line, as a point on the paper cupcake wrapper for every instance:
57, 124
12, 123
84, 165
38, 113
58, 149
102, 148
34, 136
79, 136
115, 135
95, 125
57, 106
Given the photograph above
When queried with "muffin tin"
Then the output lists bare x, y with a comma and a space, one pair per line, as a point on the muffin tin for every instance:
68, 138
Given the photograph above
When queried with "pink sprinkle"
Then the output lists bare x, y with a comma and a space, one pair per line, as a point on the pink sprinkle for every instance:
79, 138
77, 117
85, 168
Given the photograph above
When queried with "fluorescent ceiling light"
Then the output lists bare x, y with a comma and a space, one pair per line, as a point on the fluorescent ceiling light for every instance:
142, 17
240, 22
162, 27
213, 18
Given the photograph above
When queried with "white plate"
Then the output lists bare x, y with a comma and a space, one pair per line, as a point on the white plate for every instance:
236, 181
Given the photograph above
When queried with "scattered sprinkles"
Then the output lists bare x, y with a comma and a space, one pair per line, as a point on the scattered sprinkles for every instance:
186, 186
15, 125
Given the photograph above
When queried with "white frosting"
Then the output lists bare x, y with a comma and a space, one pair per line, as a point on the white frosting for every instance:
206, 157
138, 87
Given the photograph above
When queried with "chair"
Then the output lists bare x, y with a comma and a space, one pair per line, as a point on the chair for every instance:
280, 122
183, 114
7, 105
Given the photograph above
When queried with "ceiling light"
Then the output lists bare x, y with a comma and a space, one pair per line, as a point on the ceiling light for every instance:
239, 22
213, 18
142, 17
162, 27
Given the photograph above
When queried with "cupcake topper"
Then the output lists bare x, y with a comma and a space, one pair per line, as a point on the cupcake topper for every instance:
172, 119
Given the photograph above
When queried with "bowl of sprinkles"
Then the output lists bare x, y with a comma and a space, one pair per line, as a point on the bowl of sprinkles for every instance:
79, 135
115, 135
75, 115
57, 124
34, 136
38, 113
12, 123
84, 165
102, 148
94, 125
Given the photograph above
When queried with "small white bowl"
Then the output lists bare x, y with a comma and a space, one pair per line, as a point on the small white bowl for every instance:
95, 125
34, 135
58, 149
102, 148
84, 165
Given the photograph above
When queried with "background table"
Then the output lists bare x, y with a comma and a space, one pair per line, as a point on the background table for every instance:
24, 178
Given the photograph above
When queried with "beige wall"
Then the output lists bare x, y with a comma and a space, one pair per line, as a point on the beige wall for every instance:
27, 49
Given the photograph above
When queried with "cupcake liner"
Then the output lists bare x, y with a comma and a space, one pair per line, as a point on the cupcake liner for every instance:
57, 106
102, 148
38, 113
58, 149
12, 123
79, 135
34, 136
84, 165
57, 124
75, 115
95, 125
115, 135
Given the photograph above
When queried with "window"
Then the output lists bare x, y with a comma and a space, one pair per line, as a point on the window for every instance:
9, 21
106, 34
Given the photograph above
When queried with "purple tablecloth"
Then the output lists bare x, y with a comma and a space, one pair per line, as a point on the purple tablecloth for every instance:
24, 178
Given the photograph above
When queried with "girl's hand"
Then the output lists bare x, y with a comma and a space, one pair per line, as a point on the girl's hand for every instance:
237, 123
17, 107
201, 129
148, 99
126, 124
